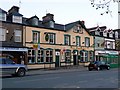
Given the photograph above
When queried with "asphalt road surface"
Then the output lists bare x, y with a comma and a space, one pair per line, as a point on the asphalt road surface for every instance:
68, 79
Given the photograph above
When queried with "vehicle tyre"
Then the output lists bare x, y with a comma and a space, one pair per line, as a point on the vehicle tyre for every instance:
98, 68
89, 69
108, 68
21, 73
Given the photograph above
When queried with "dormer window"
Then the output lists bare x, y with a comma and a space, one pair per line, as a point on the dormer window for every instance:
3, 16
17, 19
51, 24
35, 21
116, 34
105, 33
97, 31
77, 29
111, 34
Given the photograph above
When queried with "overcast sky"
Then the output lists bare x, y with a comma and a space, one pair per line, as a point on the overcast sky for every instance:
65, 11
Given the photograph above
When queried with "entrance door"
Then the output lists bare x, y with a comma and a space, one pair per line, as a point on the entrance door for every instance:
57, 57
57, 62
75, 59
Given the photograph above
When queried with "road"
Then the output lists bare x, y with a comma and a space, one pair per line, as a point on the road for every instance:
68, 79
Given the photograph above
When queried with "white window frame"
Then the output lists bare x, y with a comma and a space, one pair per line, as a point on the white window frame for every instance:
51, 24
37, 38
2, 34
116, 34
78, 41
53, 38
18, 33
105, 33
3, 16
111, 34
17, 19
35, 21
67, 40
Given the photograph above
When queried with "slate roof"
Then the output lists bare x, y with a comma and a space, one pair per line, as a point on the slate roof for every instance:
94, 28
16, 14
3, 11
57, 26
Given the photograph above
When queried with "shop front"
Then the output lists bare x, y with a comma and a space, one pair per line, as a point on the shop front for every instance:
110, 57
17, 54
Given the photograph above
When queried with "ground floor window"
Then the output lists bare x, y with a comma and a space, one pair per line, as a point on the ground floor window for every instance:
67, 56
91, 56
84, 56
40, 58
49, 55
31, 56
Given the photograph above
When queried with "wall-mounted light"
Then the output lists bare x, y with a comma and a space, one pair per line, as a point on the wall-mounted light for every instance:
7, 31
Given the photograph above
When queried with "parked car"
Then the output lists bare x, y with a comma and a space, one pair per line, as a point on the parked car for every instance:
8, 66
98, 65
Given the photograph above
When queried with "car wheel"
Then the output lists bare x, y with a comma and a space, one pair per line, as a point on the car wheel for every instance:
108, 68
89, 69
98, 68
21, 72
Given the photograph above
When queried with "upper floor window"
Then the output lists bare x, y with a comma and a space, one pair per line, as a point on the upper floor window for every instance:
36, 37
116, 34
35, 21
110, 45
51, 24
18, 35
78, 43
3, 16
105, 33
77, 29
2, 34
17, 19
67, 39
51, 38
87, 41
111, 34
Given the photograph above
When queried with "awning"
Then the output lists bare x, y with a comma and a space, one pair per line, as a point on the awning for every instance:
13, 49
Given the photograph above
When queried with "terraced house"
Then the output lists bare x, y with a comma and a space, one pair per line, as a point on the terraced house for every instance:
54, 45
44, 43
11, 35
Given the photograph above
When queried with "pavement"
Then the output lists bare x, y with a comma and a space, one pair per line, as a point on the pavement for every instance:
56, 70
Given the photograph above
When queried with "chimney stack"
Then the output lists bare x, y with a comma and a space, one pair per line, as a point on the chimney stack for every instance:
48, 20
48, 17
83, 22
14, 9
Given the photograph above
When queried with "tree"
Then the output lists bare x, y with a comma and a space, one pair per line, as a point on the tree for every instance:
103, 4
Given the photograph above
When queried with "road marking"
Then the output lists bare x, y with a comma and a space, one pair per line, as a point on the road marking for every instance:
32, 80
